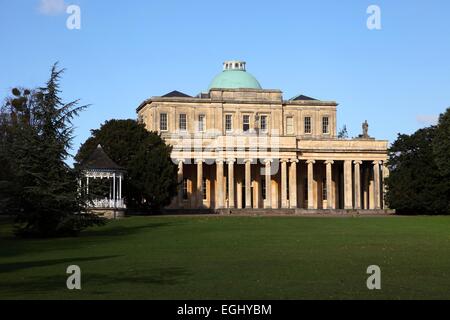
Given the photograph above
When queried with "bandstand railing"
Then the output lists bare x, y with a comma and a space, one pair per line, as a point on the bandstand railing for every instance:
108, 204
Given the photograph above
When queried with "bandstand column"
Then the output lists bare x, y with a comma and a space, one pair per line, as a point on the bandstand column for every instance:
220, 183
330, 199
284, 202
248, 184
110, 188
348, 185
268, 184
231, 183
358, 184
120, 187
310, 164
114, 189
293, 184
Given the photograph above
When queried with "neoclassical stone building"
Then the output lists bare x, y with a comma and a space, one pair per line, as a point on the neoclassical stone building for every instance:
238, 146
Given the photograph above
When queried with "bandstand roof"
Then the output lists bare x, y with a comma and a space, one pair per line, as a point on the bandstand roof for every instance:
100, 161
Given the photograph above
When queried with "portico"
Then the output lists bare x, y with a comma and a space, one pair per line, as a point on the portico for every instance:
254, 184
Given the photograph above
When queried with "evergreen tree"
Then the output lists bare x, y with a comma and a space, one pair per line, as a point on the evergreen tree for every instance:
15, 130
441, 148
416, 185
441, 143
40, 189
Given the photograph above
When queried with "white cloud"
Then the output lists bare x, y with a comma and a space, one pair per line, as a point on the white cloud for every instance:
427, 119
52, 7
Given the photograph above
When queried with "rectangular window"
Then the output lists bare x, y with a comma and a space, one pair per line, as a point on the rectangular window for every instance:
289, 125
201, 123
227, 189
204, 189
288, 193
306, 189
228, 123
264, 125
324, 190
263, 189
325, 125
307, 125
246, 123
182, 123
185, 189
163, 122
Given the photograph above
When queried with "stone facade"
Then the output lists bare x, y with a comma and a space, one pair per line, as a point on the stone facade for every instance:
240, 148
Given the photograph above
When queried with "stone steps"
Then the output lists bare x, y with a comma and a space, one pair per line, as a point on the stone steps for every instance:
303, 212
266, 212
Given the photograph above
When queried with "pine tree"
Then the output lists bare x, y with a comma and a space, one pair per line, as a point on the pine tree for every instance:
38, 135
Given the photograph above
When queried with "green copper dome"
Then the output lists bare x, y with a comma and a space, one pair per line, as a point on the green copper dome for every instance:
234, 76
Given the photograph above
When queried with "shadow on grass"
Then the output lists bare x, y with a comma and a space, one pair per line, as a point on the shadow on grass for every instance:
12, 246
15, 266
95, 285
114, 231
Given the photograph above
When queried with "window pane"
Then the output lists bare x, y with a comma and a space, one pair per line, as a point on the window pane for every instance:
264, 123
325, 125
246, 123
163, 122
204, 189
307, 124
185, 189
228, 123
201, 123
182, 122
263, 189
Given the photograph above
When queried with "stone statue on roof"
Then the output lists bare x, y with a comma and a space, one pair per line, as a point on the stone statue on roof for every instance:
365, 127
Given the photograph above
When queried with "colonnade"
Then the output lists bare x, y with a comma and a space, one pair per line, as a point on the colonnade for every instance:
282, 184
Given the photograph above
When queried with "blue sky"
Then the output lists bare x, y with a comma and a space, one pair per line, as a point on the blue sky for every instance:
398, 78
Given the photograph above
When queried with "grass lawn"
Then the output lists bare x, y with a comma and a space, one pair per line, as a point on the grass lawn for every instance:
234, 258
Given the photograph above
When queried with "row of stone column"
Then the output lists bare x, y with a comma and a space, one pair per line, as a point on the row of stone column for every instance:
348, 183
350, 192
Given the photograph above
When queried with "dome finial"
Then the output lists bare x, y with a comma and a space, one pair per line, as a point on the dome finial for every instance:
234, 65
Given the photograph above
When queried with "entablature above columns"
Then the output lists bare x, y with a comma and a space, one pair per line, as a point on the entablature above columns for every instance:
341, 146
382, 157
